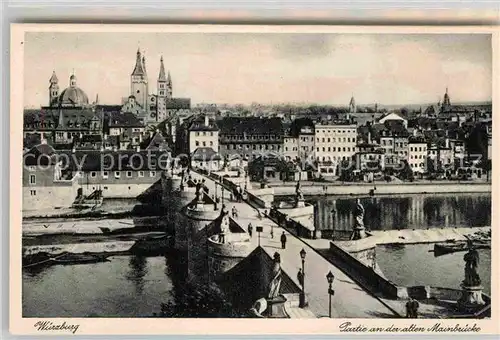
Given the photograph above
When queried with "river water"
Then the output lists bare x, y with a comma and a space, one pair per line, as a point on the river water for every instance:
126, 286
415, 265
130, 286
405, 211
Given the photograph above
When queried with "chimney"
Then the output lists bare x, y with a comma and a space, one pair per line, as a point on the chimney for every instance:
73, 150
415, 132
43, 141
447, 143
369, 137
206, 120
138, 148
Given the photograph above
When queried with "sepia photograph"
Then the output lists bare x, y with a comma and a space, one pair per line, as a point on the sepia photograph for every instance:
264, 175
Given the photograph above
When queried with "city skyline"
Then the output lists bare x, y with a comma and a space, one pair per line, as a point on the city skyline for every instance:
324, 69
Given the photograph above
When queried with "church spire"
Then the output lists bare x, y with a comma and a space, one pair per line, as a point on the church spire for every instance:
53, 78
161, 76
446, 99
139, 66
169, 79
144, 63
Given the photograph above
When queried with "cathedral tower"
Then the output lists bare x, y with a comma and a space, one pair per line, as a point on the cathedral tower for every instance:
162, 81
161, 103
139, 82
169, 86
352, 105
53, 89
446, 99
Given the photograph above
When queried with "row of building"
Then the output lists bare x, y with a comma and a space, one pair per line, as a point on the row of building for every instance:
324, 144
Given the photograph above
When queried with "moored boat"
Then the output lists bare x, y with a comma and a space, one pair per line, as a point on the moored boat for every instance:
455, 246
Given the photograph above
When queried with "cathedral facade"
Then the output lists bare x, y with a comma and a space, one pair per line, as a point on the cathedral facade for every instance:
153, 107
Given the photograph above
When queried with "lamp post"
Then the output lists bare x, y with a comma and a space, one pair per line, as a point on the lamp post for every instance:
302, 297
331, 292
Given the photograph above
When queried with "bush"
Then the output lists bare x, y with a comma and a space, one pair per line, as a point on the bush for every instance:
198, 301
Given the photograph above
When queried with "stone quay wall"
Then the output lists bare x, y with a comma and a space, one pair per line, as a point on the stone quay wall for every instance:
386, 188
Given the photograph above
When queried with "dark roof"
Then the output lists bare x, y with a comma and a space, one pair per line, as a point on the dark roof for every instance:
250, 125
178, 103
416, 139
298, 124
91, 139
31, 140
204, 154
121, 160
125, 119
198, 124
155, 142
108, 108
41, 154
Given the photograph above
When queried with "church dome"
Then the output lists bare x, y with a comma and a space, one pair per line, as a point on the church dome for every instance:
73, 95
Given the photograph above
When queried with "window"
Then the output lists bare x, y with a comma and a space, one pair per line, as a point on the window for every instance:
197, 133
204, 133
211, 143
105, 174
211, 133
152, 174
204, 143
129, 174
117, 174
141, 174
197, 143
93, 174
32, 179
33, 192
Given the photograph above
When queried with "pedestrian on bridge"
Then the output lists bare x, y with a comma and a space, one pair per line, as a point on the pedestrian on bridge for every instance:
283, 241
250, 229
234, 212
300, 277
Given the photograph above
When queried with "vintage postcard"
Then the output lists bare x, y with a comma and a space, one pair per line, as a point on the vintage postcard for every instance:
201, 179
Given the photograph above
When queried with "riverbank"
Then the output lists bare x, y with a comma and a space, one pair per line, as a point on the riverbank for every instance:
381, 188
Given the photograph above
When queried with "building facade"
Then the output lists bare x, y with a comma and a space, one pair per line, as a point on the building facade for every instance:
417, 154
334, 143
250, 137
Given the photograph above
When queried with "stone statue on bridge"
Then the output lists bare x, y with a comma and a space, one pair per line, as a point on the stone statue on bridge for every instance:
471, 259
198, 191
299, 196
298, 191
472, 291
275, 284
359, 224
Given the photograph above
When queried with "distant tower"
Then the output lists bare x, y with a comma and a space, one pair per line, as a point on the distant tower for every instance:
139, 82
53, 89
162, 91
162, 80
446, 99
352, 105
72, 80
169, 86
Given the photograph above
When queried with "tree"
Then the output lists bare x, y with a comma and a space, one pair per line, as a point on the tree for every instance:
431, 167
346, 174
406, 173
198, 301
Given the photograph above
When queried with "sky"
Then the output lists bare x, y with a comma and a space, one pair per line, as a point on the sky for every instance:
388, 69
